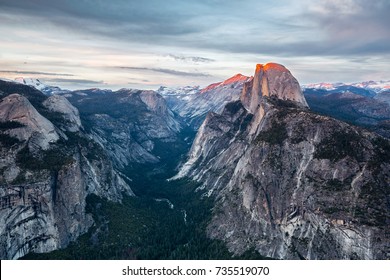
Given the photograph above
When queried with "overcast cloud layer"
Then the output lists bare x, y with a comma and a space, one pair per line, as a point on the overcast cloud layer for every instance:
145, 44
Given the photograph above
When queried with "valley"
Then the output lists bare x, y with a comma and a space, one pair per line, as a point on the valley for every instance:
166, 220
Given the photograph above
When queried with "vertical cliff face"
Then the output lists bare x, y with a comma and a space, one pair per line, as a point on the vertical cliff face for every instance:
47, 169
288, 182
270, 80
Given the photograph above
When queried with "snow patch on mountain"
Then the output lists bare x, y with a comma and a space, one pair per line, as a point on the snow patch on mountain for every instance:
36, 83
187, 90
374, 86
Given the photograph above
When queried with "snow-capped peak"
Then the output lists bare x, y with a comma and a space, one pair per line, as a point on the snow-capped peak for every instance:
31, 82
375, 86
326, 86
37, 84
187, 90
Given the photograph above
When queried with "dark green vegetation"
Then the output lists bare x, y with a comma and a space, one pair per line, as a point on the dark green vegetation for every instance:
5, 139
372, 200
339, 145
10, 125
277, 131
336, 185
52, 159
275, 135
382, 154
280, 103
8, 141
144, 228
233, 107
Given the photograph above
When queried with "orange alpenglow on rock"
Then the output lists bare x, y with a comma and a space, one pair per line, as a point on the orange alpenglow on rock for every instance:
271, 79
235, 79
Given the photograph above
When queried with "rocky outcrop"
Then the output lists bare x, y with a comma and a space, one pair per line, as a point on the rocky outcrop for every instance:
59, 104
289, 183
270, 80
17, 108
47, 169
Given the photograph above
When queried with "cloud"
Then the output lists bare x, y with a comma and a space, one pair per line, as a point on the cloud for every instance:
320, 27
76, 81
35, 73
351, 27
120, 17
309, 48
195, 59
138, 80
165, 71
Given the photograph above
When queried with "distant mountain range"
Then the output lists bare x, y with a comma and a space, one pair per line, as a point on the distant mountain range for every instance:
365, 104
371, 86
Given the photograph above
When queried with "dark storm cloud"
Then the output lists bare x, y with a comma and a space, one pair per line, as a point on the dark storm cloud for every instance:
120, 17
34, 73
169, 23
166, 71
327, 28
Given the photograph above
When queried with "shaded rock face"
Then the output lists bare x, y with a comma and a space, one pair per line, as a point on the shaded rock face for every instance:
384, 96
47, 169
59, 104
290, 183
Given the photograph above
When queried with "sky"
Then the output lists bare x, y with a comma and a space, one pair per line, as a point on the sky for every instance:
145, 44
